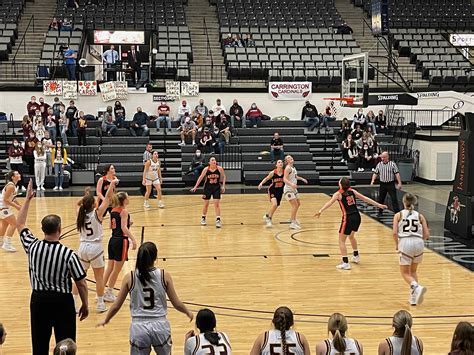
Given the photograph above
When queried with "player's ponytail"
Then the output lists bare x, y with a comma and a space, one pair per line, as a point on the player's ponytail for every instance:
146, 257
409, 201
118, 199
337, 326
402, 323
9, 176
206, 323
87, 205
65, 347
283, 321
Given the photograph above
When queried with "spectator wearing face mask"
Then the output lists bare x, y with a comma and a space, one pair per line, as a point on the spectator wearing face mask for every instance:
254, 115
218, 107
71, 114
119, 112
40, 165
197, 164
207, 143
188, 128
359, 119
32, 106
183, 109
63, 125
30, 145
26, 126
15, 156
381, 122
163, 115
108, 124
224, 132
39, 129
202, 109
51, 124
236, 115
310, 115
139, 124
44, 107
366, 158
59, 157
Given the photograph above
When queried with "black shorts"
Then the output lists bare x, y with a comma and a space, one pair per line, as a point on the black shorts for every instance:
276, 193
213, 190
350, 223
118, 248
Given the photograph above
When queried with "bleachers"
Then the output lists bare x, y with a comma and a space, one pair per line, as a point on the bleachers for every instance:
10, 13
53, 42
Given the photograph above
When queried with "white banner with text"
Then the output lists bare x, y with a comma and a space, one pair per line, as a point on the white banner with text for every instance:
290, 90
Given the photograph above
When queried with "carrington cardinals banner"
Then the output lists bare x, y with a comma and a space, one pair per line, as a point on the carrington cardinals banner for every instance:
290, 90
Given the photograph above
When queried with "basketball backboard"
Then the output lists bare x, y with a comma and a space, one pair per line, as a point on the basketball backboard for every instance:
355, 79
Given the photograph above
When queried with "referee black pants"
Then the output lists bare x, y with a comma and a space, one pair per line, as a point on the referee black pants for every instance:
388, 187
48, 311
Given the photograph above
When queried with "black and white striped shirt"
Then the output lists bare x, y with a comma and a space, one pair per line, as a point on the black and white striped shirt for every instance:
386, 171
51, 264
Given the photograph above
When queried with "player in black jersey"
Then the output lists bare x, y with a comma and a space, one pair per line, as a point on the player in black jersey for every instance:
346, 196
275, 190
103, 184
119, 242
214, 185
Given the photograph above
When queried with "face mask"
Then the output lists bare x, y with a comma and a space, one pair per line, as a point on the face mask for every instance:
15, 144
39, 145
254, 106
201, 104
198, 154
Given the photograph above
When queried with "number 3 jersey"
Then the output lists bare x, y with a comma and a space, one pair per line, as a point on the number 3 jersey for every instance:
92, 231
272, 343
199, 345
149, 300
409, 224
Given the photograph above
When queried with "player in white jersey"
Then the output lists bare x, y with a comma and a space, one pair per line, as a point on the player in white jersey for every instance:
91, 250
402, 341
208, 341
148, 287
339, 344
290, 191
282, 339
152, 177
410, 230
7, 218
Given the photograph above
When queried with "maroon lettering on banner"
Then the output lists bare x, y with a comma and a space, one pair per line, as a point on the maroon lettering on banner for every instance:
461, 165
290, 90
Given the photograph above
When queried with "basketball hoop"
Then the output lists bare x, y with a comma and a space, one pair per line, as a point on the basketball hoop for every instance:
343, 100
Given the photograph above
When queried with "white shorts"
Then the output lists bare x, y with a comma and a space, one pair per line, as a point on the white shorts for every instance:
410, 250
291, 195
149, 181
147, 334
91, 254
5, 213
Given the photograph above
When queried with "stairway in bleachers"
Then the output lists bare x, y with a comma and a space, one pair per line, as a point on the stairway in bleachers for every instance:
254, 141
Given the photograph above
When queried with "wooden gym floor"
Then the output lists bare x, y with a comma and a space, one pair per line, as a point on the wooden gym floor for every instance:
245, 270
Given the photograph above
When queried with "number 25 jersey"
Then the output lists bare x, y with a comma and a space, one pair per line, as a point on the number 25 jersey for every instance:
148, 301
409, 224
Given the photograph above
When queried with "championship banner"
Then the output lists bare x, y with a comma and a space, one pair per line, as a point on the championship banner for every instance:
290, 90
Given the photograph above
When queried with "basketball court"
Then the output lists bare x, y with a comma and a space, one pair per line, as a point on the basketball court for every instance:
245, 270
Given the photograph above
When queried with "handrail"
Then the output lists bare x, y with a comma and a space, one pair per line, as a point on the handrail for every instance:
208, 44
30, 22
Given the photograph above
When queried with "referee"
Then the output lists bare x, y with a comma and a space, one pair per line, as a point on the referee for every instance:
388, 172
51, 267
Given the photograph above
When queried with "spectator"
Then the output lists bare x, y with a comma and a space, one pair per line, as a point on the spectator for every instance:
357, 133
353, 157
339, 344
135, 63
402, 341
30, 144
44, 107
209, 125
65, 347
73, 4
66, 25
138, 125
36, 118
3, 334
59, 157
218, 107
147, 154
39, 129
366, 158
54, 25
254, 115
71, 114
248, 41
310, 116
227, 42
381, 122
51, 124
163, 115
32, 106
370, 118
207, 142
197, 164
40, 165
48, 144
57, 107
236, 41
51, 304
70, 56
218, 119
346, 145
359, 119
344, 29
188, 128
183, 109
463, 339
119, 112
202, 109
276, 148
345, 129
224, 132
327, 117
15, 156
109, 58
82, 129
26, 126
108, 123
236, 114
63, 125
